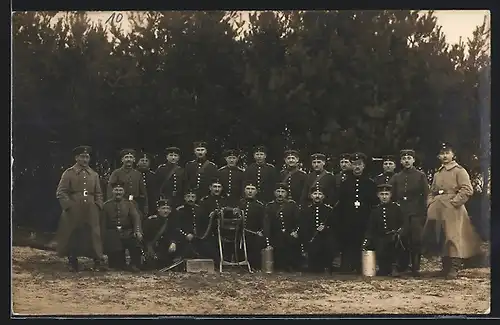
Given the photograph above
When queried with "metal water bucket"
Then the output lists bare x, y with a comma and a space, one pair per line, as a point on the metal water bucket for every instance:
369, 263
267, 260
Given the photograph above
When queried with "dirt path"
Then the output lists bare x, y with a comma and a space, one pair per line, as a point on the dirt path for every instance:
41, 285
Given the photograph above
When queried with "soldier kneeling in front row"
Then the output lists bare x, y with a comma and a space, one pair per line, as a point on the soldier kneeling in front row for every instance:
385, 227
160, 236
121, 228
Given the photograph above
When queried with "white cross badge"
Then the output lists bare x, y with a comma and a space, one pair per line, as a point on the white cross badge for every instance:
357, 204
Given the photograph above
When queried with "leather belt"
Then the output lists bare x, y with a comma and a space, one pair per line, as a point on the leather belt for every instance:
443, 192
84, 193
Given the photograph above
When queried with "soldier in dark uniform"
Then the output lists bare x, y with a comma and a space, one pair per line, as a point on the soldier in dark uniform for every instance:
281, 230
345, 169
319, 177
317, 223
389, 165
149, 179
253, 211
161, 236
410, 189
292, 175
170, 177
190, 243
121, 224
231, 177
385, 227
80, 196
263, 174
357, 196
132, 178
201, 171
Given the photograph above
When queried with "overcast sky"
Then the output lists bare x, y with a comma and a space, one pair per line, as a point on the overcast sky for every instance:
455, 23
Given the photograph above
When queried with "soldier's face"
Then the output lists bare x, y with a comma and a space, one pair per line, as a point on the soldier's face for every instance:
83, 159
118, 192
259, 156
318, 164
291, 161
216, 189
231, 160
357, 167
250, 191
280, 194
384, 196
407, 161
173, 158
164, 211
143, 163
200, 152
345, 164
190, 198
446, 156
389, 166
317, 196
128, 160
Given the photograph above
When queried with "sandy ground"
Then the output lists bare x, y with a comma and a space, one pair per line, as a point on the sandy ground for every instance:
42, 285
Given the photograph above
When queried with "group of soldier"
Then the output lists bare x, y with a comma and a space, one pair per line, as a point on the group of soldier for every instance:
309, 219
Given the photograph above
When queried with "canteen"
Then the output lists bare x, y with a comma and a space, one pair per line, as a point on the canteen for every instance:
267, 260
369, 263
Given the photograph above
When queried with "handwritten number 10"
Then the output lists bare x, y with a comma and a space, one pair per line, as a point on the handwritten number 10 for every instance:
117, 18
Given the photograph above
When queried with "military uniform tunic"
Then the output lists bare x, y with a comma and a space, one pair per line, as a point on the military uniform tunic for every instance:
199, 176
357, 196
280, 220
264, 177
170, 179
134, 186
325, 181
320, 245
186, 224
208, 204
120, 220
382, 233
149, 180
232, 182
80, 196
253, 211
340, 178
295, 179
383, 178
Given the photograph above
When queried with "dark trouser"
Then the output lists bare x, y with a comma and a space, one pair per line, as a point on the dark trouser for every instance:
255, 244
413, 244
117, 259
388, 254
287, 253
320, 253
351, 248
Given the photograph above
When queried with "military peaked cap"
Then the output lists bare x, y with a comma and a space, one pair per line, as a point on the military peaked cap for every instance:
445, 146
281, 186
358, 156
318, 156
173, 150
292, 152
389, 158
117, 183
128, 152
345, 156
200, 144
384, 187
260, 148
162, 203
82, 150
249, 183
407, 152
230, 152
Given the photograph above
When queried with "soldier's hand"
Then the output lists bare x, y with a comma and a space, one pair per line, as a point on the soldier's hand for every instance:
321, 228
236, 211
150, 251
172, 248
138, 235
260, 233
189, 237
294, 234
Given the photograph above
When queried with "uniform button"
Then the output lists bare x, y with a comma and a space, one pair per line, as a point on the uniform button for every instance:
357, 196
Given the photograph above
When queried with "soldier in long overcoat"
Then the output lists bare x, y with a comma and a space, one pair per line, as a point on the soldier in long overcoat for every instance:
292, 175
231, 177
149, 179
410, 189
171, 177
80, 196
263, 174
200, 172
448, 231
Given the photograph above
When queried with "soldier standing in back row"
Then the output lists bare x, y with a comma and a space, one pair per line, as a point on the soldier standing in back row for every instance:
170, 178
149, 180
389, 165
200, 172
357, 196
321, 178
410, 190
80, 196
345, 169
132, 178
292, 175
263, 174
231, 177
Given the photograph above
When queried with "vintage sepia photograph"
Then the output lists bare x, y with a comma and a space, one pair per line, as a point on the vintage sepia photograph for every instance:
210, 163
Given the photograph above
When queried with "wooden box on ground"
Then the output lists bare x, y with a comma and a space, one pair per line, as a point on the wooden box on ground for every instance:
200, 265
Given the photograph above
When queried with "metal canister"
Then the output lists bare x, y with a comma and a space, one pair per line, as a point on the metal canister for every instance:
267, 260
369, 263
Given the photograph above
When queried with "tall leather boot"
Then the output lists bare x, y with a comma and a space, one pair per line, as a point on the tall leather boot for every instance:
456, 265
415, 264
446, 265
73, 264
